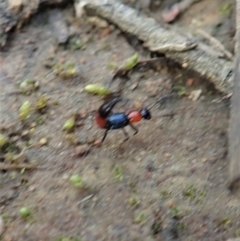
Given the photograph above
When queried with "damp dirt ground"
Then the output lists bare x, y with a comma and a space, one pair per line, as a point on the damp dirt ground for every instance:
168, 182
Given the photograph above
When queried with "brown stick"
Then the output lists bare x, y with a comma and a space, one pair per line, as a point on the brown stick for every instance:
216, 43
234, 125
16, 166
218, 71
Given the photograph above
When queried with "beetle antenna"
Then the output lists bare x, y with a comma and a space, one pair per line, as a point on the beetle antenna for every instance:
161, 100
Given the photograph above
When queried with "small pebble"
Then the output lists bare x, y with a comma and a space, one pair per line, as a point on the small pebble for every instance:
190, 82
25, 133
83, 113
52, 113
133, 86
101, 23
81, 150
159, 181
204, 159
83, 61
34, 124
104, 33
171, 204
195, 94
32, 188
59, 145
65, 177
15, 138
32, 130
43, 141
167, 154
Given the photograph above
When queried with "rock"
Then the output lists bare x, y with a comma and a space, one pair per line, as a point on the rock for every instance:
81, 150
195, 94
83, 113
43, 142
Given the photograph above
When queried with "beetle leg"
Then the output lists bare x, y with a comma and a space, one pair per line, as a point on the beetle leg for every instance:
125, 134
134, 128
104, 136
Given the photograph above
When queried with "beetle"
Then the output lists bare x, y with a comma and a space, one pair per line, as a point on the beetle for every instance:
108, 120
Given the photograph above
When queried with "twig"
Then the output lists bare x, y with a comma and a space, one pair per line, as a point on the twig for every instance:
4, 166
210, 51
18, 159
223, 98
86, 198
172, 47
216, 43
14, 92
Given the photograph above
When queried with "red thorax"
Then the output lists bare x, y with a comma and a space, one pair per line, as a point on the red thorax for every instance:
134, 116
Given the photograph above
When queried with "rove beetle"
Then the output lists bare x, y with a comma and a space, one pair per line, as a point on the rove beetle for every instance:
105, 119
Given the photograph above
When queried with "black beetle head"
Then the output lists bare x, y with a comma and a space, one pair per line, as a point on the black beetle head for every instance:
145, 113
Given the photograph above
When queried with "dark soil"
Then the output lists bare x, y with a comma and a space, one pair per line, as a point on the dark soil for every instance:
168, 182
